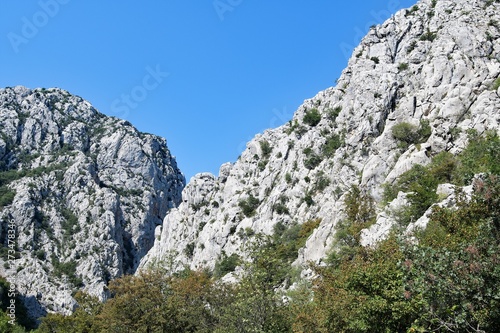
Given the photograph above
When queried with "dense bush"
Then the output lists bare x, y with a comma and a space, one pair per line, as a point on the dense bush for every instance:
333, 142
265, 148
407, 134
312, 117
445, 280
226, 265
249, 205
332, 114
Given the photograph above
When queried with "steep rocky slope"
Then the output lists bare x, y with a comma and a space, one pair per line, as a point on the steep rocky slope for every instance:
433, 70
84, 192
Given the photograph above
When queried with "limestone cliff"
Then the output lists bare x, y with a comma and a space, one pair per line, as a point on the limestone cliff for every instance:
84, 192
434, 67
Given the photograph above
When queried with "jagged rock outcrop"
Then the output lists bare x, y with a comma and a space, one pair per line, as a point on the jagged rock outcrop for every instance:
435, 67
84, 192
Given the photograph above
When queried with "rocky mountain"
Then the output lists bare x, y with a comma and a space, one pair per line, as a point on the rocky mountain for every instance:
414, 87
83, 191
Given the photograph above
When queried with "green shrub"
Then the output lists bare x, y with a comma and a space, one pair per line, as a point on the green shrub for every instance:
332, 114
226, 265
428, 36
249, 205
68, 269
312, 117
496, 84
407, 134
424, 130
70, 223
189, 250
280, 208
308, 199
411, 47
403, 66
312, 161
321, 182
331, 145
482, 155
262, 164
375, 60
265, 148
6, 196
288, 240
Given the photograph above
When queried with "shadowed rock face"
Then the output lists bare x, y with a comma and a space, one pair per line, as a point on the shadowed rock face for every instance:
84, 191
434, 65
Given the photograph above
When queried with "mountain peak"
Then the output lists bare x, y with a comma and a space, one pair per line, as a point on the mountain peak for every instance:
414, 87
84, 191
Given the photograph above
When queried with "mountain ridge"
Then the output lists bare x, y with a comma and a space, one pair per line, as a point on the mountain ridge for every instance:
84, 190
89, 192
431, 67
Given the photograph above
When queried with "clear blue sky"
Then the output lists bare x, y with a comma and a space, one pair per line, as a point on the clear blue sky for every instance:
206, 75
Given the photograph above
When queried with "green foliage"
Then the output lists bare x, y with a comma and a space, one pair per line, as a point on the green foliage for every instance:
375, 60
421, 183
189, 249
249, 205
333, 142
412, 46
287, 241
482, 154
312, 159
226, 265
67, 269
70, 223
403, 66
83, 320
312, 117
296, 127
7, 196
308, 199
22, 321
455, 270
332, 114
360, 212
445, 282
428, 36
407, 134
280, 208
262, 164
496, 84
414, 9
321, 182
363, 294
265, 148
254, 305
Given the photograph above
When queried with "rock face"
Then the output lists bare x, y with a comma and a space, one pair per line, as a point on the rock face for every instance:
84, 192
434, 66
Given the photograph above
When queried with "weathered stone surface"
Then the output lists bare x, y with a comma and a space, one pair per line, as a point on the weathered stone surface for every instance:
89, 192
434, 64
